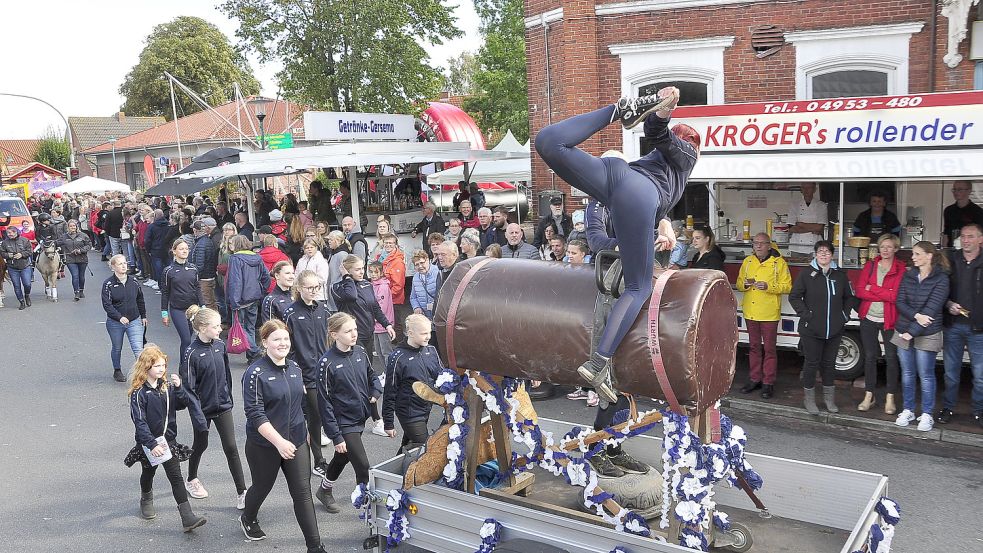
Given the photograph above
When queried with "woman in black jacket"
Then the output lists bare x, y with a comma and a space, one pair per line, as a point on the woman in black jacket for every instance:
307, 321
208, 380
918, 332
75, 244
822, 298
280, 297
354, 295
276, 435
346, 386
16, 251
179, 289
708, 254
153, 409
126, 312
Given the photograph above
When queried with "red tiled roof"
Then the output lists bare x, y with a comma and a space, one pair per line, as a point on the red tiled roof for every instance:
22, 151
206, 126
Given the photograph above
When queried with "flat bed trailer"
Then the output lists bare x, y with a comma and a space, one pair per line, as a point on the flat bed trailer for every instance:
811, 508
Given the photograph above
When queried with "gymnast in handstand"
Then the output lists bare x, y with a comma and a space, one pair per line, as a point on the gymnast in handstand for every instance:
638, 194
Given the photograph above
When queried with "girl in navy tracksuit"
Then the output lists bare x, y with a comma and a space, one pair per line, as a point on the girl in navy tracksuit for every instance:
153, 408
281, 296
346, 386
208, 380
179, 290
355, 295
307, 321
414, 361
276, 434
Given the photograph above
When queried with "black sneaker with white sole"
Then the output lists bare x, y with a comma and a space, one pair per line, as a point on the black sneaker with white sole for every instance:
320, 469
628, 463
251, 529
603, 466
632, 111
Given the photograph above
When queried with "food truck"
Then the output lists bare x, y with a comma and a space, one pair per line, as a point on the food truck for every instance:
755, 157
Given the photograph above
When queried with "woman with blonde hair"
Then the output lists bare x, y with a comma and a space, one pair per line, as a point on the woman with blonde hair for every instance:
153, 409
208, 380
313, 261
337, 250
126, 312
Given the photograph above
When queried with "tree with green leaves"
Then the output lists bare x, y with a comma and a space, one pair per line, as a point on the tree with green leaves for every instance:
500, 98
459, 79
199, 55
348, 56
53, 150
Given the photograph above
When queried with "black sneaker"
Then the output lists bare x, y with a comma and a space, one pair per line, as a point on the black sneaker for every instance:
118, 376
251, 529
944, 416
603, 466
320, 469
632, 111
628, 463
750, 387
767, 391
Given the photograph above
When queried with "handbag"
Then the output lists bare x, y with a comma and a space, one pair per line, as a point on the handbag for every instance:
161, 440
237, 342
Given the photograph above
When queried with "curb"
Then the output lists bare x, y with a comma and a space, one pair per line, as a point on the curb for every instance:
849, 421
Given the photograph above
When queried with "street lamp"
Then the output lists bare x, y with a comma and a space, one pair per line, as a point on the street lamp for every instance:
112, 140
260, 104
68, 130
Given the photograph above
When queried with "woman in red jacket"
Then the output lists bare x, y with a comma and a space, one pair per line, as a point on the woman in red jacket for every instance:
394, 267
877, 289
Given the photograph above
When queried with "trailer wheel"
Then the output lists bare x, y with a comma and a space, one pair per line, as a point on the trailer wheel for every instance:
850, 357
742, 538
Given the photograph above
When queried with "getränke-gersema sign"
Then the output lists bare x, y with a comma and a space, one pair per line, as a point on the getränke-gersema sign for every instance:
914, 121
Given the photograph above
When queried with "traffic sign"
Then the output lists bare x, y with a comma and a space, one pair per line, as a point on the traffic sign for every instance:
279, 141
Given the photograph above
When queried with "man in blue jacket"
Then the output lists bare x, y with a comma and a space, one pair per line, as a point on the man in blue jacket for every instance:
248, 281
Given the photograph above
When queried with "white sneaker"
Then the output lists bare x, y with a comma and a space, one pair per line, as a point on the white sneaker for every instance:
150, 283
593, 399
925, 422
195, 489
904, 418
325, 441
241, 502
378, 430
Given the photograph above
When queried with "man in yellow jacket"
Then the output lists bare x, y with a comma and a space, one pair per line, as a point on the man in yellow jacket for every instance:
763, 278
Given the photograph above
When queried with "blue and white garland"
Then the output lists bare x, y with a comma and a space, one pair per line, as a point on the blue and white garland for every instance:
490, 534
361, 500
452, 386
397, 503
880, 535
690, 469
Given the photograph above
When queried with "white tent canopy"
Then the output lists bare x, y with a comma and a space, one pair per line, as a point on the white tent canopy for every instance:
91, 184
516, 169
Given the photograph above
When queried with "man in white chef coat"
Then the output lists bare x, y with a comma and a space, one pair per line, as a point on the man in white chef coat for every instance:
808, 217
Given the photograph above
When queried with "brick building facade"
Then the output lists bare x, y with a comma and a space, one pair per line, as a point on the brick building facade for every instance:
584, 54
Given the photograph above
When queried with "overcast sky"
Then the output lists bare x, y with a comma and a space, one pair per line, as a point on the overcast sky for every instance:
74, 54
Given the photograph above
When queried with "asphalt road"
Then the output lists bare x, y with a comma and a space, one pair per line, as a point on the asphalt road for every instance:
64, 429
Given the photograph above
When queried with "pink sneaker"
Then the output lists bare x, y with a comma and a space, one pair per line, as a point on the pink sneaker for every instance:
195, 489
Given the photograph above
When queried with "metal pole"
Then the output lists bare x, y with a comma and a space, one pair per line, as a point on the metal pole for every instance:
840, 217
71, 143
353, 190
115, 170
177, 130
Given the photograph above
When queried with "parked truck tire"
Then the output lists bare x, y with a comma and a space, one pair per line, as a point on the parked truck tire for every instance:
850, 357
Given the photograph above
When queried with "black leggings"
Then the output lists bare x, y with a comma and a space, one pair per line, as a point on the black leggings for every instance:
356, 455
872, 350
605, 417
369, 345
313, 416
633, 198
227, 433
264, 463
172, 469
820, 355
414, 432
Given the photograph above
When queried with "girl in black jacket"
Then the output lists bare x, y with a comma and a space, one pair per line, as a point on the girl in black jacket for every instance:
918, 331
307, 321
153, 405
822, 298
208, 380
76, 244
346, 387
408, 363
354, 295
16, 251
179, 290
126, 312
276, 435
280, 298
708, 254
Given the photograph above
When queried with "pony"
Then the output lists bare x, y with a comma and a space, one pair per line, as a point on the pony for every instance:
49, 265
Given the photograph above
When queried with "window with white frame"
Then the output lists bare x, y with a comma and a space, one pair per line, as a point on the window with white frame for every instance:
854, 61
